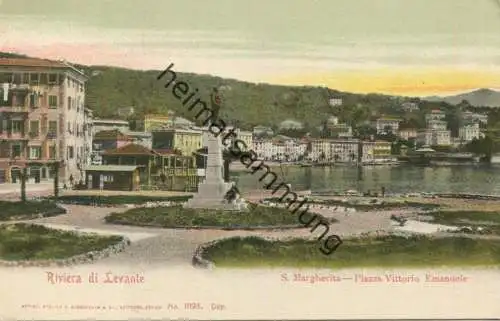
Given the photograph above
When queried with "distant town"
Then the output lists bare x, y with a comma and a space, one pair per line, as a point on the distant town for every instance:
46, 130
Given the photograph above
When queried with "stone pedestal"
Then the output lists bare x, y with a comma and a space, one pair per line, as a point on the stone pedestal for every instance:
212, 191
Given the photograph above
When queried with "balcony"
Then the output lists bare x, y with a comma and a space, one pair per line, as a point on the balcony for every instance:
14, 109
7, 135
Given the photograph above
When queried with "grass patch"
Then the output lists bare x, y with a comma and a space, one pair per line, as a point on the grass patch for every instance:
365, 206
489, 220
98, 200
36, 242
464, 217
28, 210
177, 216
387, 251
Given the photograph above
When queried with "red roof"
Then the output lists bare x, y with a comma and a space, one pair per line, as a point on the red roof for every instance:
130, 149
167, 151
36, 62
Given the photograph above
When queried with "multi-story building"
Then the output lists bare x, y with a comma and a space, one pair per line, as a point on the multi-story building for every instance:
386, 125
263, 147
407, 133
152, 122
435, 124
432, 137
100, 125
125, 112
334, 129
410, 106
435, 114
469, 116
335, 101
320, 149
88, 135
243, 135
42, 119
373, 151
344, 150
468, 132
263, 131
144, 139
187, 141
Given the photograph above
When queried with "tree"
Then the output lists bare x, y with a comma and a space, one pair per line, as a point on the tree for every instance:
24, 175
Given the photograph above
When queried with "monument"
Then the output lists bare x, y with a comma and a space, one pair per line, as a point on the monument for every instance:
213, 191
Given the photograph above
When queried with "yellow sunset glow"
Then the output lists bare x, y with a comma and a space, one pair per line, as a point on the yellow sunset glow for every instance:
407, 82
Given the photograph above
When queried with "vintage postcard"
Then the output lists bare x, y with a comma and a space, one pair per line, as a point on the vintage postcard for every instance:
249, 160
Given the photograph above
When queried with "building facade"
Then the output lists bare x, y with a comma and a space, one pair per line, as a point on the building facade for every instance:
109, 124
345, 150
186, 141
468, 132
386, 125
42, 119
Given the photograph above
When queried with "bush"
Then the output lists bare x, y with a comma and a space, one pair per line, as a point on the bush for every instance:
382, 251
28, 210
177, 216
98, 200
36, 242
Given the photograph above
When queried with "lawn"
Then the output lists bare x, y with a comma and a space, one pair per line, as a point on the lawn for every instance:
98, 200
177, 216
28, 210
489, 220
387, 251
36, 242
365, 206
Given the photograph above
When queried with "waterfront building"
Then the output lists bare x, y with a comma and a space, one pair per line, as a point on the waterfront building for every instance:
243, 135
187, 141
42, 119
163, 169
386, 125
263, 147
109, 124
432, 137
344, 150
424, 137
320, 149
468, 132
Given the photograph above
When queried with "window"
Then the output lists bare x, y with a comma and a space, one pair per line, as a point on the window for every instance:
52, 101
16, 150
26, 78
71, 151
52, 79
52, 152
107, 178
44, 79
17, 126
78, 104
69, 103
34, 128
34, 79
17, 79
68, 81
35, 152
52, 128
